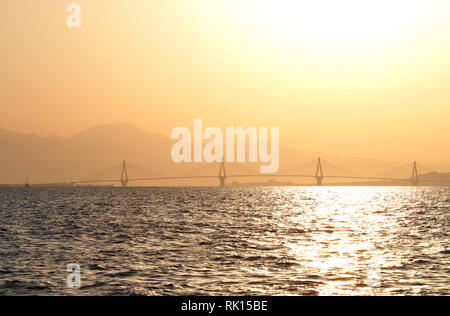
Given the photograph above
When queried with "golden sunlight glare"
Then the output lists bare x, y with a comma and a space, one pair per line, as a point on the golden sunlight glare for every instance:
341, 22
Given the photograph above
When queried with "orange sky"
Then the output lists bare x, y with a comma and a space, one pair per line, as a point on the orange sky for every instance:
347, 78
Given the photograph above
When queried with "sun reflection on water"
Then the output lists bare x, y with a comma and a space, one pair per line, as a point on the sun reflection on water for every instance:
345, 240
237, 241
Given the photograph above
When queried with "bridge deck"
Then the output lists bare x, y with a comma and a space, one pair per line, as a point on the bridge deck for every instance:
319, 176
235, 176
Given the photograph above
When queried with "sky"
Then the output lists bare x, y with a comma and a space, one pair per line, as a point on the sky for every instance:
347, 78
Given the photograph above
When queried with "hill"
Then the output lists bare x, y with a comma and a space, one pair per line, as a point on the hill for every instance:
99, 151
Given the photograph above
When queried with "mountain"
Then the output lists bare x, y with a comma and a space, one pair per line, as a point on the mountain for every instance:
98, 152
50, 159
84, 156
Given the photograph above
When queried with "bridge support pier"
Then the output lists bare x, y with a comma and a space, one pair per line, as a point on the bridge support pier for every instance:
124, 177
319, 172
319, 181
222, 181
222, 174
415, 176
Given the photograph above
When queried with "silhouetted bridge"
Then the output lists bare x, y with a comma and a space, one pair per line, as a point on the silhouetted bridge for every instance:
319, 175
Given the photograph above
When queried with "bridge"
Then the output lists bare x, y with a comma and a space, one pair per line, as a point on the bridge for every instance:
222, 176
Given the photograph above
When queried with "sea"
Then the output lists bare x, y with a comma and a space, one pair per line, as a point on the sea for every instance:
277, 241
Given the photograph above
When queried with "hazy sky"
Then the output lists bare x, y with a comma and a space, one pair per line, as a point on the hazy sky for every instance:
348, 78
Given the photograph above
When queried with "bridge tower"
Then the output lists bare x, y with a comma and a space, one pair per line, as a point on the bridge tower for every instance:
319, 172
124, 177
222, 174
415, 175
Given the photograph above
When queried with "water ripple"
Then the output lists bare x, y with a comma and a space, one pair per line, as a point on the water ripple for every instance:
234, 241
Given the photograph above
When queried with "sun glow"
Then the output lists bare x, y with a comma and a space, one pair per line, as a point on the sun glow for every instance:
316, 28
344, 22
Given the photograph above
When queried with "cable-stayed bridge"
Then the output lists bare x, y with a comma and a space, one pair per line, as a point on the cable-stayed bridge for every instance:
318, 173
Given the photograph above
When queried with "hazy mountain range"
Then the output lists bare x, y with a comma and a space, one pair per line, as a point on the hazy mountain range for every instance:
98, 152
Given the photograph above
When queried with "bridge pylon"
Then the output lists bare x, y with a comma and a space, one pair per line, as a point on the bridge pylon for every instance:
319, 172
124, 176
222, 174
415, 175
